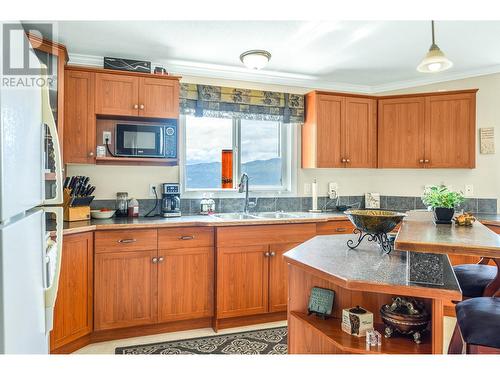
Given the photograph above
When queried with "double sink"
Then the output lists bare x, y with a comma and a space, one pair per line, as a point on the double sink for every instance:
257, 215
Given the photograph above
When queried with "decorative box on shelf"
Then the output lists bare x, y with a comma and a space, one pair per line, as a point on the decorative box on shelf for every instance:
356, 321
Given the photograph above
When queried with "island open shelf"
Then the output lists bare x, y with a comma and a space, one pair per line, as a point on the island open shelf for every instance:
334, 340
365, 277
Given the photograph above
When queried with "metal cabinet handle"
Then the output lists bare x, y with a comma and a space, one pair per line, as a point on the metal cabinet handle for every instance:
340, 229
127, 240
185, 238
421, 161
266, 254
160, 259
272, 253
348, 160
154, 260
343, 160
91, 153
141, 106
136, 106
426, 160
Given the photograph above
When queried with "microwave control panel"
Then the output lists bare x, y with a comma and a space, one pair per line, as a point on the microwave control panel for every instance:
171, 140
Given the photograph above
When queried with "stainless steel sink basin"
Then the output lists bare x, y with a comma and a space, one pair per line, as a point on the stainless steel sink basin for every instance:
235, 216
275, 215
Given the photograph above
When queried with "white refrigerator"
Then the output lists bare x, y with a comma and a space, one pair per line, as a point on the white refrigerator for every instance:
30, 204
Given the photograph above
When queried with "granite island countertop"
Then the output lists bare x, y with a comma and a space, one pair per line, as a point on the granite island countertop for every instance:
366, 267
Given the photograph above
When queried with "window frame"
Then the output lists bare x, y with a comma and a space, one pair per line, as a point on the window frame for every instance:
287, 134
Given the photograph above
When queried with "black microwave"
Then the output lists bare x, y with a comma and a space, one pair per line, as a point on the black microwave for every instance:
147, 140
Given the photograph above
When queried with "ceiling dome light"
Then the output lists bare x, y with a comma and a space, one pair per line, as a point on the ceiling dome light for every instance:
255, 59
435, 60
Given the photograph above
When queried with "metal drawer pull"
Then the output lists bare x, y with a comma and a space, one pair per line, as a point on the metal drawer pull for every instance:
340, 229
154, 260
127, 240
186, 238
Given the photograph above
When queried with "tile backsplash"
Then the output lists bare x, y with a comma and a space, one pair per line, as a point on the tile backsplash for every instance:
192, 206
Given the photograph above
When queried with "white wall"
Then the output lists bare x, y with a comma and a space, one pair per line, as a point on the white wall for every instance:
485, 177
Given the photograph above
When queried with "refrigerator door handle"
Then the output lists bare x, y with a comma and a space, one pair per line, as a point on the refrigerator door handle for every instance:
52, 267
48, 120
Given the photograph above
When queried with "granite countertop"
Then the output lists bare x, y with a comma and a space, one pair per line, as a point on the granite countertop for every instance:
355, 268
488, 219
419, 233
193, 220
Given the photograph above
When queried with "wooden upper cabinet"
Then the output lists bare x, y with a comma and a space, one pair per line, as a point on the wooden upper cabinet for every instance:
359, 133
79, 118
401, 132
185, 283
158, 98
339, 132
450, 130
242, 280
117, 94
125, 289
73, 309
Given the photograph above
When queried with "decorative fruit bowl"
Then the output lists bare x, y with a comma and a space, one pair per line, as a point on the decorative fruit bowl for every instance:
374, 224
103, 213
375, 221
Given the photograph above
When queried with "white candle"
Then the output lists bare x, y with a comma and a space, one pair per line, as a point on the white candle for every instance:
314, 195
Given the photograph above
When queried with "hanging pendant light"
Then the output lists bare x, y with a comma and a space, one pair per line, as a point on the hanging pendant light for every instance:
435, 60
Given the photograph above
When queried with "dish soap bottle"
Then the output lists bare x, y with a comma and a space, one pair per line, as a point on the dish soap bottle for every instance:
133, 208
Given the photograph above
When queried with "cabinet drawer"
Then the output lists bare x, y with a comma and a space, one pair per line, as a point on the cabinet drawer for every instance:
265, 234
174, 238
125, 240
335, 227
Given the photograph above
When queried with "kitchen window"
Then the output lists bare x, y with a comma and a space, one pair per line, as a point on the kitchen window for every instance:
262, 149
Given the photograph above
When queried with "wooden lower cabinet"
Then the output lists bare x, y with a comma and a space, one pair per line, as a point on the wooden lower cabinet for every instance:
185, 283
242, 280
125, 289
278, 276
73, 309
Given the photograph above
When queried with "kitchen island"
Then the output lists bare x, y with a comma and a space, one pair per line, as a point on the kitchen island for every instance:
364, 277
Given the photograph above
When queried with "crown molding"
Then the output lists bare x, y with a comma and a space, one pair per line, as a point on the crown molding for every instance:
185, 68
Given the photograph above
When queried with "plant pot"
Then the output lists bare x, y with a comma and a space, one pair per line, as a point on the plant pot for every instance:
443, 215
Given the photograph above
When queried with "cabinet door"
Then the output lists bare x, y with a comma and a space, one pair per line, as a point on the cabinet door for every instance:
278, 276
242, 280
158, 98
401, 133
79, 117
125, 289
450, 131
116, 94
330, 117
360, 133
73, 309
185, 283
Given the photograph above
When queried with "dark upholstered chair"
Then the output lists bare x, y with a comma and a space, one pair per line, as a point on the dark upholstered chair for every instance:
478, 320
473, 278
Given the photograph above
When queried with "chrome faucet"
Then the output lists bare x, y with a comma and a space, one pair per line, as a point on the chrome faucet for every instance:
243, 187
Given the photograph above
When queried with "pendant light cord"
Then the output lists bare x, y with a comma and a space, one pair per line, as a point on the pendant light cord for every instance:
432, 23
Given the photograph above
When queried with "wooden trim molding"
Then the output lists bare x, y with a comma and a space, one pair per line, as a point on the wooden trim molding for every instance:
48, 46
120, 72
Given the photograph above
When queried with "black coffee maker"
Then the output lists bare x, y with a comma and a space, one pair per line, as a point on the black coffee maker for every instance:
170, 200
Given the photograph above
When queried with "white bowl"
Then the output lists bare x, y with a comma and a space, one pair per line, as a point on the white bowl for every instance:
97, 214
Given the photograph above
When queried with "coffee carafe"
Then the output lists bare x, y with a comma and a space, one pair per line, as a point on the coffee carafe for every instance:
170, 200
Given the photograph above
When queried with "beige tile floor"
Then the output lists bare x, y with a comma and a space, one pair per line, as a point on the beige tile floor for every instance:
108, 347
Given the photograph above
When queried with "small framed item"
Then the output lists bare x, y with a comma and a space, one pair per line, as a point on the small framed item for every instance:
115, 63
321, 302
159, 70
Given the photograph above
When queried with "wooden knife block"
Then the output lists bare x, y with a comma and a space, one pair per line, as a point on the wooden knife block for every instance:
76, 213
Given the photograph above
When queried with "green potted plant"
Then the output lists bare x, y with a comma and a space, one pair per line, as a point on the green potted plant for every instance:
443, 202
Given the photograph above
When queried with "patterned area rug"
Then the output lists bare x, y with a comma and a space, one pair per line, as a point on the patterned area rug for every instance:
264, 341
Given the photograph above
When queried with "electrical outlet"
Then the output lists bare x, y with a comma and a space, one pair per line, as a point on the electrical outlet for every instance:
333, 190
106, 135
151, 190
469, 191
307, 188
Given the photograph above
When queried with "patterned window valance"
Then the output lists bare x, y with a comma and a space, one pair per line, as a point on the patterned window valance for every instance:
215, 101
